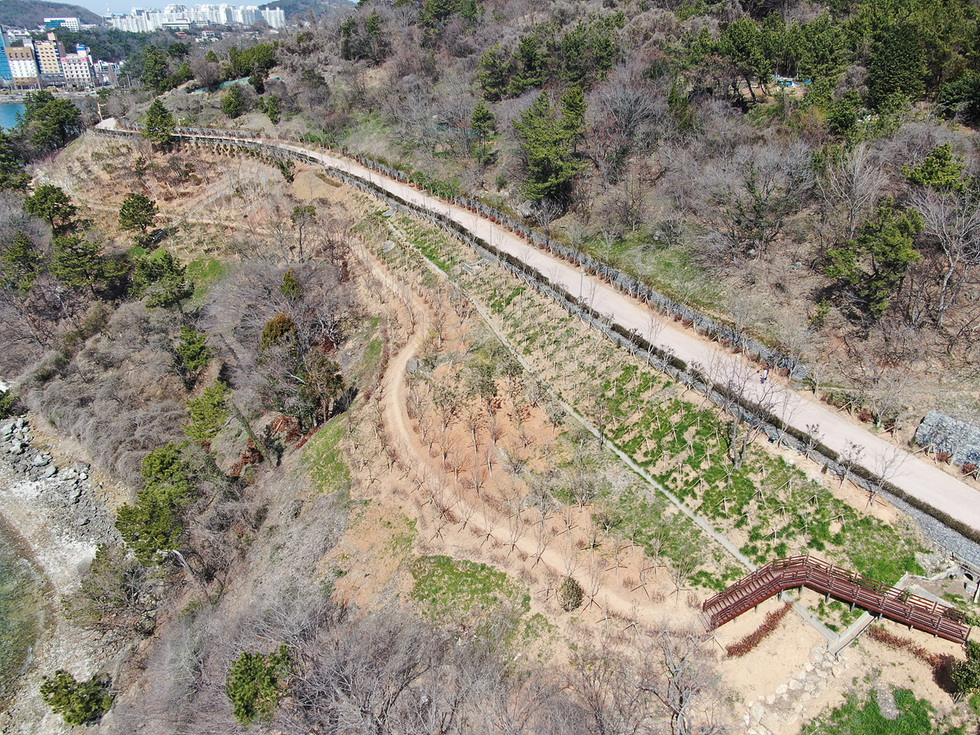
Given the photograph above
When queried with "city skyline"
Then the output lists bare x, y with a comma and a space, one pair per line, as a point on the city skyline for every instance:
123, 7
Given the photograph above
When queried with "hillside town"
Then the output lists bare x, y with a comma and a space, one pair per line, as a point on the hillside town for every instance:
38, 64
29, 62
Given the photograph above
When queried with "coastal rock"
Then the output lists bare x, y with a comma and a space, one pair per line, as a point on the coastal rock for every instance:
64, 492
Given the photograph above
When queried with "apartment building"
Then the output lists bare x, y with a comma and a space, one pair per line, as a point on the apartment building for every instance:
23, 66
71, 24
5, 73
49, 55
77, 68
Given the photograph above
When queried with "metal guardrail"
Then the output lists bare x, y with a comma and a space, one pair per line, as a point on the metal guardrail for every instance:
624, 282
829, 579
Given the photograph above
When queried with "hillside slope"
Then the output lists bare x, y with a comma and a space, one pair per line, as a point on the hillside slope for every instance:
31, 13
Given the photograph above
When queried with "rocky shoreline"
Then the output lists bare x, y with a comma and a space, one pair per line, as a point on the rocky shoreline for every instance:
64, 491
57, 514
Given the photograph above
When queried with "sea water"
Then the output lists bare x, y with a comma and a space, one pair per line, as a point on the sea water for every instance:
21, 610
8, 114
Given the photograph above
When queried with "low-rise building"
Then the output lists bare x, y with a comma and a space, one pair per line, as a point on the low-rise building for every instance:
77, 68
70, 24
105, 73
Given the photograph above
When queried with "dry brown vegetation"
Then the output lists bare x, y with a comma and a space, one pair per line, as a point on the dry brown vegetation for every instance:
465, 457
454, 448
753, 639
730, 212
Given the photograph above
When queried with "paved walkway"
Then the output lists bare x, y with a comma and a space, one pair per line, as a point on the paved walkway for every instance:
913, 475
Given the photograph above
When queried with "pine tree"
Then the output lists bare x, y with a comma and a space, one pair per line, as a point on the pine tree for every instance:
20, 263
160, 124
12, 175
234, 104
137, 212
896, 71
53, 205
548, 142
191, 354
155, 69
940, 170
484, 124
78, 702
161, 280
78, 262
495, 73
207, 414
153, 524
873, 266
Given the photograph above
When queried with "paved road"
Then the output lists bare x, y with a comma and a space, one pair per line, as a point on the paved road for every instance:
913, 475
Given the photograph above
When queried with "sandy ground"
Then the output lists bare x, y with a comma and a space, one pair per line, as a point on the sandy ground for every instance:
790, 678
787, 680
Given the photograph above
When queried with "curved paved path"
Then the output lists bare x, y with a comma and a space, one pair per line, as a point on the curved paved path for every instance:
913, 475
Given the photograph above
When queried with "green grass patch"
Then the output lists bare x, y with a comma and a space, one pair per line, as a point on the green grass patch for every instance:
324, 458
372, 356
402, 536
449, 589
857, 717
370, 360
205, 272
651, 522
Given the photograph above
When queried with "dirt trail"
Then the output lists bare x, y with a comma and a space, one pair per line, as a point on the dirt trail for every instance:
428, 473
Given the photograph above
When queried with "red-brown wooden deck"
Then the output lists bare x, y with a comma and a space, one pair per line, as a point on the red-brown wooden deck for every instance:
808, 571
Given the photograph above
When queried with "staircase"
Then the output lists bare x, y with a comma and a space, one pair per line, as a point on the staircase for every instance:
808, 571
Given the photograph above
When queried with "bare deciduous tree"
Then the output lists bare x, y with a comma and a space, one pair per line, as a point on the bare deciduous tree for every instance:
849, 187
952, 221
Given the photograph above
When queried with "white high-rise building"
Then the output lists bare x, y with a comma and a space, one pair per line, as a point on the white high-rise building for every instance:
275, 17
23, 65
143, 20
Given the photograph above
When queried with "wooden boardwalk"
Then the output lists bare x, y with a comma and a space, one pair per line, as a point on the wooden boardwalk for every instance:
807, 571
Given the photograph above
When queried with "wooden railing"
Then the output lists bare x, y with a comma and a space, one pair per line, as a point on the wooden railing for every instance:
807, 571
